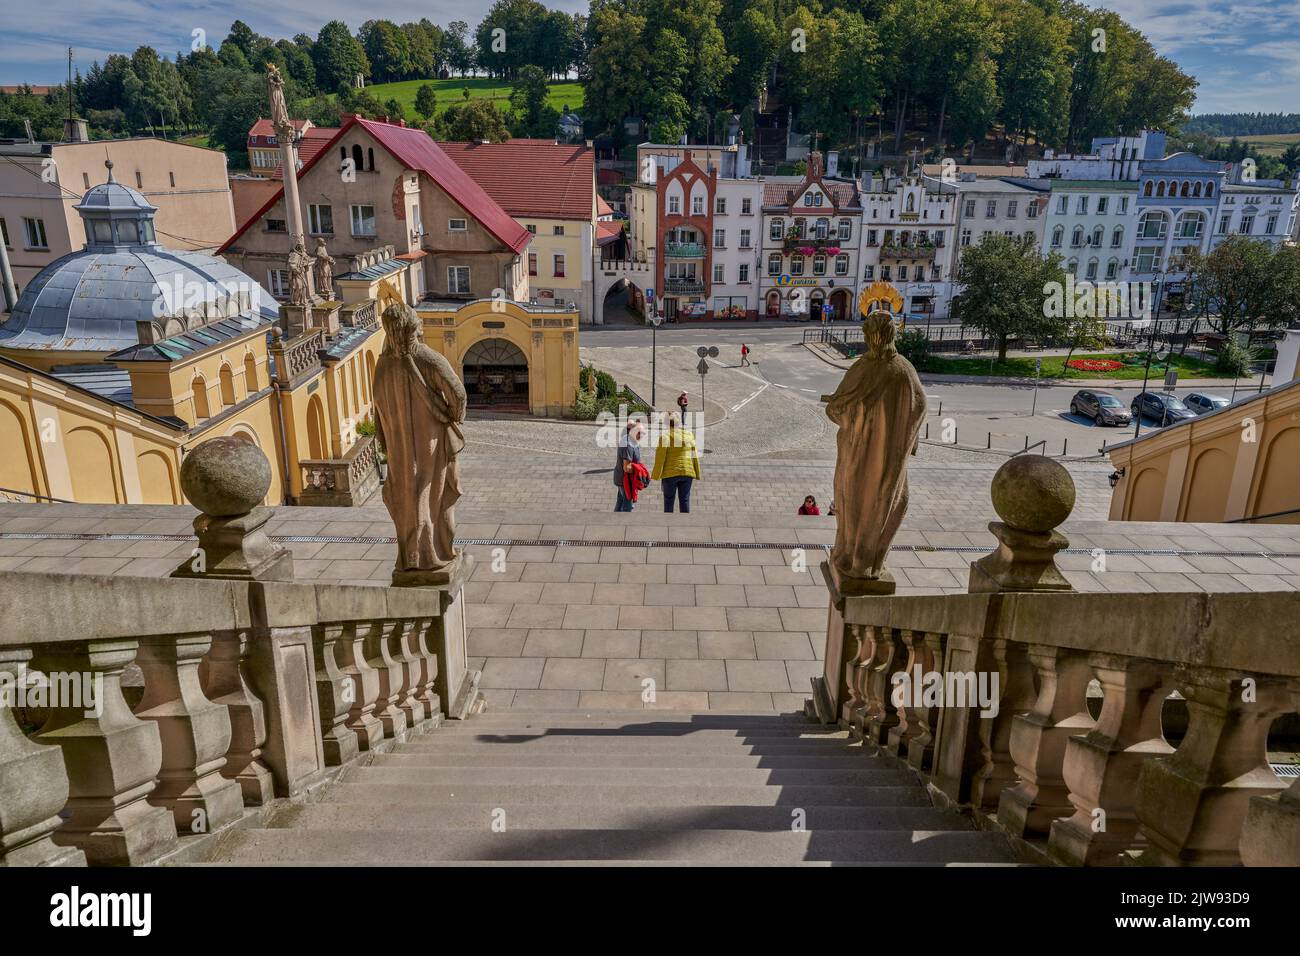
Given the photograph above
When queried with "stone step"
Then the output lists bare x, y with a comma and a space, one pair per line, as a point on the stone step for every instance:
661, 758
556, 718
395, 769
656, 795
417, 816
806, 732
378, 847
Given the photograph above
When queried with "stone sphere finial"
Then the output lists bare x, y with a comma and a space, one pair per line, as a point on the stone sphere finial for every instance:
1032, 493
226, 477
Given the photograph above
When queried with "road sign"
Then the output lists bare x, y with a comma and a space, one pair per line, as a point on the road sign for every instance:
702, 351
703, 367
713, 351
649, 295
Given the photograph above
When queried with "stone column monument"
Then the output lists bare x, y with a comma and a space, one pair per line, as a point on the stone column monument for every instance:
419, 405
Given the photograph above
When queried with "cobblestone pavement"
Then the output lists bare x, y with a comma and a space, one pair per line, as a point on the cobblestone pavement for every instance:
695, 605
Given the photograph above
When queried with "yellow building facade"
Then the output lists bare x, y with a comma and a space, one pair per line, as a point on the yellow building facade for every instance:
1241, 462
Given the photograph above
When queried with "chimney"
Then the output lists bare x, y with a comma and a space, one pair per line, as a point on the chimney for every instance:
74, 130
815, 164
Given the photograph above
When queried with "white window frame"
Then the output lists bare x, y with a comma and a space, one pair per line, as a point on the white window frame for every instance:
454, 285
457, 225
357, 217
314, 219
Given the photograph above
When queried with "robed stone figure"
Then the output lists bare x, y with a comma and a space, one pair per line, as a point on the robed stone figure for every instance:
419, 403
879, 408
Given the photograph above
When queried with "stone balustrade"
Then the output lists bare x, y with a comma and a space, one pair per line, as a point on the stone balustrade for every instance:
342, 482
297, 357
202, 700
1092, 728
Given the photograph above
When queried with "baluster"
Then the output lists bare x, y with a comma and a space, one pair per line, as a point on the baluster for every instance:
1192, 804
336, 692
365, 684
380, 657
112, 757
929, 648
400, 641
1101, 767
854, 670
1271, 833
1038, 741
908, 693
195, 735
1017, 691
224, 674
887, 658
33, 783
427, 658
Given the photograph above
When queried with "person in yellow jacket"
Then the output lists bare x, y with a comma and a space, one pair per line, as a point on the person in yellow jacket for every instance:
677, 464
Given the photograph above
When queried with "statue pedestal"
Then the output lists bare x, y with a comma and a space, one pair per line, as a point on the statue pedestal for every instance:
1022, 561
237, 549
457, 686
325, 315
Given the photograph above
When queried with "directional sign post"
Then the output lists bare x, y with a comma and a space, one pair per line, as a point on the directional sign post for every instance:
654, 318
704, 352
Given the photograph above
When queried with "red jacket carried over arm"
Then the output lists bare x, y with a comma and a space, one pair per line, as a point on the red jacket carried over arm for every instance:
635, 480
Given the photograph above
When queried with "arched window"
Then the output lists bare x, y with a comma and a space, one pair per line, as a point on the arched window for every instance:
1117, 237
1072, 267
1112, 269
370, 153
199, 394
1187, 188
1092, 269
1146, 190
227, 382
1076, 238
1160, 189
358, 158
1209, 190
1097, 234
250, 373
1196, 190
343, 154
1058, 236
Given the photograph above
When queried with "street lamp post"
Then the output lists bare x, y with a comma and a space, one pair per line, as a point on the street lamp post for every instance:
654, 318
1146, 374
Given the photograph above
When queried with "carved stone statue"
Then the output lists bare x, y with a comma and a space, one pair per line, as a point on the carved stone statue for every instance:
324, 270
279, 109
879, 408
299, 276
419, 403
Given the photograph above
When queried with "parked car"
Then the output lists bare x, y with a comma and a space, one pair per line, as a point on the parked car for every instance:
1164, 409
1102, 407
1201, 403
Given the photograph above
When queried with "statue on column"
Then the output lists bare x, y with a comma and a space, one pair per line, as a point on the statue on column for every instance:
279, 109
300, 263
879, 408
419, 405
324, 270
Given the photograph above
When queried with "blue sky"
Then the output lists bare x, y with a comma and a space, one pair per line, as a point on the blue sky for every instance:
1245, 53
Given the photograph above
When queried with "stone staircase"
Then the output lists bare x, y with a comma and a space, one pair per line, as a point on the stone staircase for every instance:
610, 787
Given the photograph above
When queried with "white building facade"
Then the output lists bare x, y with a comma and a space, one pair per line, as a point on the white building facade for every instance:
908, 236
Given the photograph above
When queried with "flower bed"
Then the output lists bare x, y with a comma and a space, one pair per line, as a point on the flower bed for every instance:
1094, 365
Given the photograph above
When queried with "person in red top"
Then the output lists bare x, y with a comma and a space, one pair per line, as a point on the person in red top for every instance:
744, 354
681, 403
809, 506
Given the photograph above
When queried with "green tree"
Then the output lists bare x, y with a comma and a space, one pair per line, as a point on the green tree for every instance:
618, 61
528, 100
339, 57
756, 44
477, 120
426, 101
387, 49
1245, 283
1005, 283
456, 51
1033, 72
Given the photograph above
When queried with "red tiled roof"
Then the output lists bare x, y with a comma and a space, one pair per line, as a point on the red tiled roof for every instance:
778, 194
414, 149
313, 141
603, 208
531, 177
607, 232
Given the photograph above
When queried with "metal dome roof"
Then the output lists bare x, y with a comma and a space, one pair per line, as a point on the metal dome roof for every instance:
91, 301
114, 196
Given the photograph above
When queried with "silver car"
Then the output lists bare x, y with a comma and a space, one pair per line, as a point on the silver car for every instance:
1203, 404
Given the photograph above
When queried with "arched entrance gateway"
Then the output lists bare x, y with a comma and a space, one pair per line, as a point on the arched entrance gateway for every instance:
815, 300
774, 303
496, 375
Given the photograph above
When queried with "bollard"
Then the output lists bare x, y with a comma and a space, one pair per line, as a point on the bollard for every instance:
1065, 443
989, 443
1026, 443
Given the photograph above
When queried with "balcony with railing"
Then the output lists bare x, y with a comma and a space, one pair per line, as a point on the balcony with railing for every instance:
342, 482
296, 358
684, 250
898, 250
684, 286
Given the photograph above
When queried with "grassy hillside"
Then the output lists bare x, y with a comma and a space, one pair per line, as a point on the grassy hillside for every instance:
1270, 144
559, 94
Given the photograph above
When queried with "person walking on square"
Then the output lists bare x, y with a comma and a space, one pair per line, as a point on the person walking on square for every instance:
629, 459
744, 354
677, 465
682, 401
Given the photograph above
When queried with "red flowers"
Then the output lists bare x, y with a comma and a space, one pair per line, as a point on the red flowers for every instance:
1094, 365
